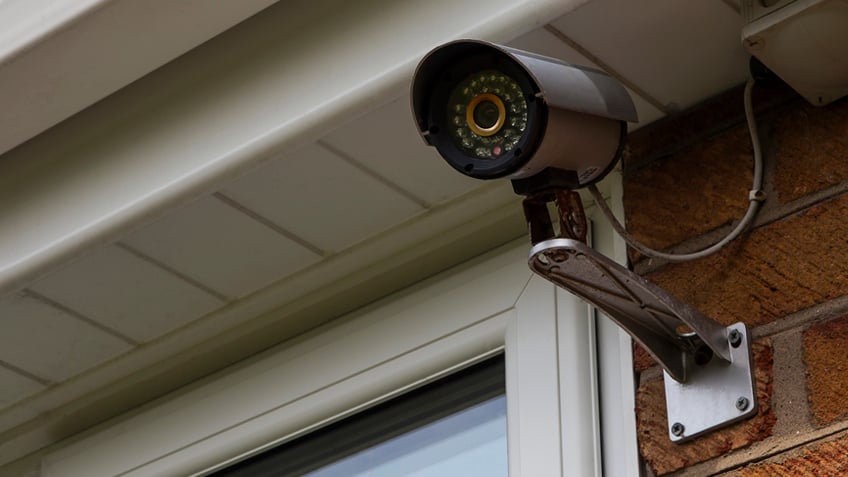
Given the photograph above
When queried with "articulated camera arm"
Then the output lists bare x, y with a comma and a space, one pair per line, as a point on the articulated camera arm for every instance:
709, 382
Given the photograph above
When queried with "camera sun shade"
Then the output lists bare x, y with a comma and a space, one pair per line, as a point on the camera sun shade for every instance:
495, 112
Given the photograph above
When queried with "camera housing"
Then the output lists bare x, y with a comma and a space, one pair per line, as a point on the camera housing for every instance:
497, 112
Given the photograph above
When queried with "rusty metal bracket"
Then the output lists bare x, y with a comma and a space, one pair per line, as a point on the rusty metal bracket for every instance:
708, 373
571, 219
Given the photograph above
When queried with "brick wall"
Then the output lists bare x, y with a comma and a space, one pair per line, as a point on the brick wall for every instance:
686, 182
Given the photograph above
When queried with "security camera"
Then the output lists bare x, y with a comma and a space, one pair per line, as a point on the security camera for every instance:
496, 112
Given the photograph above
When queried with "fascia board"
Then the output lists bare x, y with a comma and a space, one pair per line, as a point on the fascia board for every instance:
272, 83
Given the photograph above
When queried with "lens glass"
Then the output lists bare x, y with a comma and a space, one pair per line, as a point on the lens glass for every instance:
487, 114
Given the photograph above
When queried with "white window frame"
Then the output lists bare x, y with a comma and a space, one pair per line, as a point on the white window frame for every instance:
467, 314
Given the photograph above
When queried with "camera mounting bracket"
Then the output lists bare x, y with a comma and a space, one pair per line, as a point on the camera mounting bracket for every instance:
709, 380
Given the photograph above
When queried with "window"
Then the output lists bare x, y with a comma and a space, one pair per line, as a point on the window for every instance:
453, 426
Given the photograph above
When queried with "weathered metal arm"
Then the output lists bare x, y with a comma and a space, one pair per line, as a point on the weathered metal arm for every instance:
669, 329
709, 380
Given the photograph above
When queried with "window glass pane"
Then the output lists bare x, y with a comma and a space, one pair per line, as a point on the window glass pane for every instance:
470, 442
455, 426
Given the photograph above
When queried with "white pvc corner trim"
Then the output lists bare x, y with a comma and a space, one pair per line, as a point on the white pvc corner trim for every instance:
276, 81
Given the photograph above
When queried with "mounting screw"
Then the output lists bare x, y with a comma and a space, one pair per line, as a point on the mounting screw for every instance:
735, 338
677, 429
742, 403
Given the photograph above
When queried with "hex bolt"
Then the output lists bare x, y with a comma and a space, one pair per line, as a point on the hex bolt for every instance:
735, 338
742, 403
677, 429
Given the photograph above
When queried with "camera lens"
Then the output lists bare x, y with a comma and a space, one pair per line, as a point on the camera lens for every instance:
487, 114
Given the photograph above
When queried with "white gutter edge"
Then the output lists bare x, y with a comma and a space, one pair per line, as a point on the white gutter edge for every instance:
58, 57
24, 23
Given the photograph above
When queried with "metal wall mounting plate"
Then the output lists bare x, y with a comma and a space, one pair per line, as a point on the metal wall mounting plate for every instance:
715, 394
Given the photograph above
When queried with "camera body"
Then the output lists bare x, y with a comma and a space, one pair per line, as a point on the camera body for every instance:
496, 112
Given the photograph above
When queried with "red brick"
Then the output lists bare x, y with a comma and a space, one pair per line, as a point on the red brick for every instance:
779, 269
719, 113
826, 355
641, 359
827, 459
691, 192
663, 456
811, 147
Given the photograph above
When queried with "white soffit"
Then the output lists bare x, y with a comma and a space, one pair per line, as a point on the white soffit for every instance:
318, 196
126, 293
14, 386
48, 344
400, 154
546, 42
212, 243
687, 51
